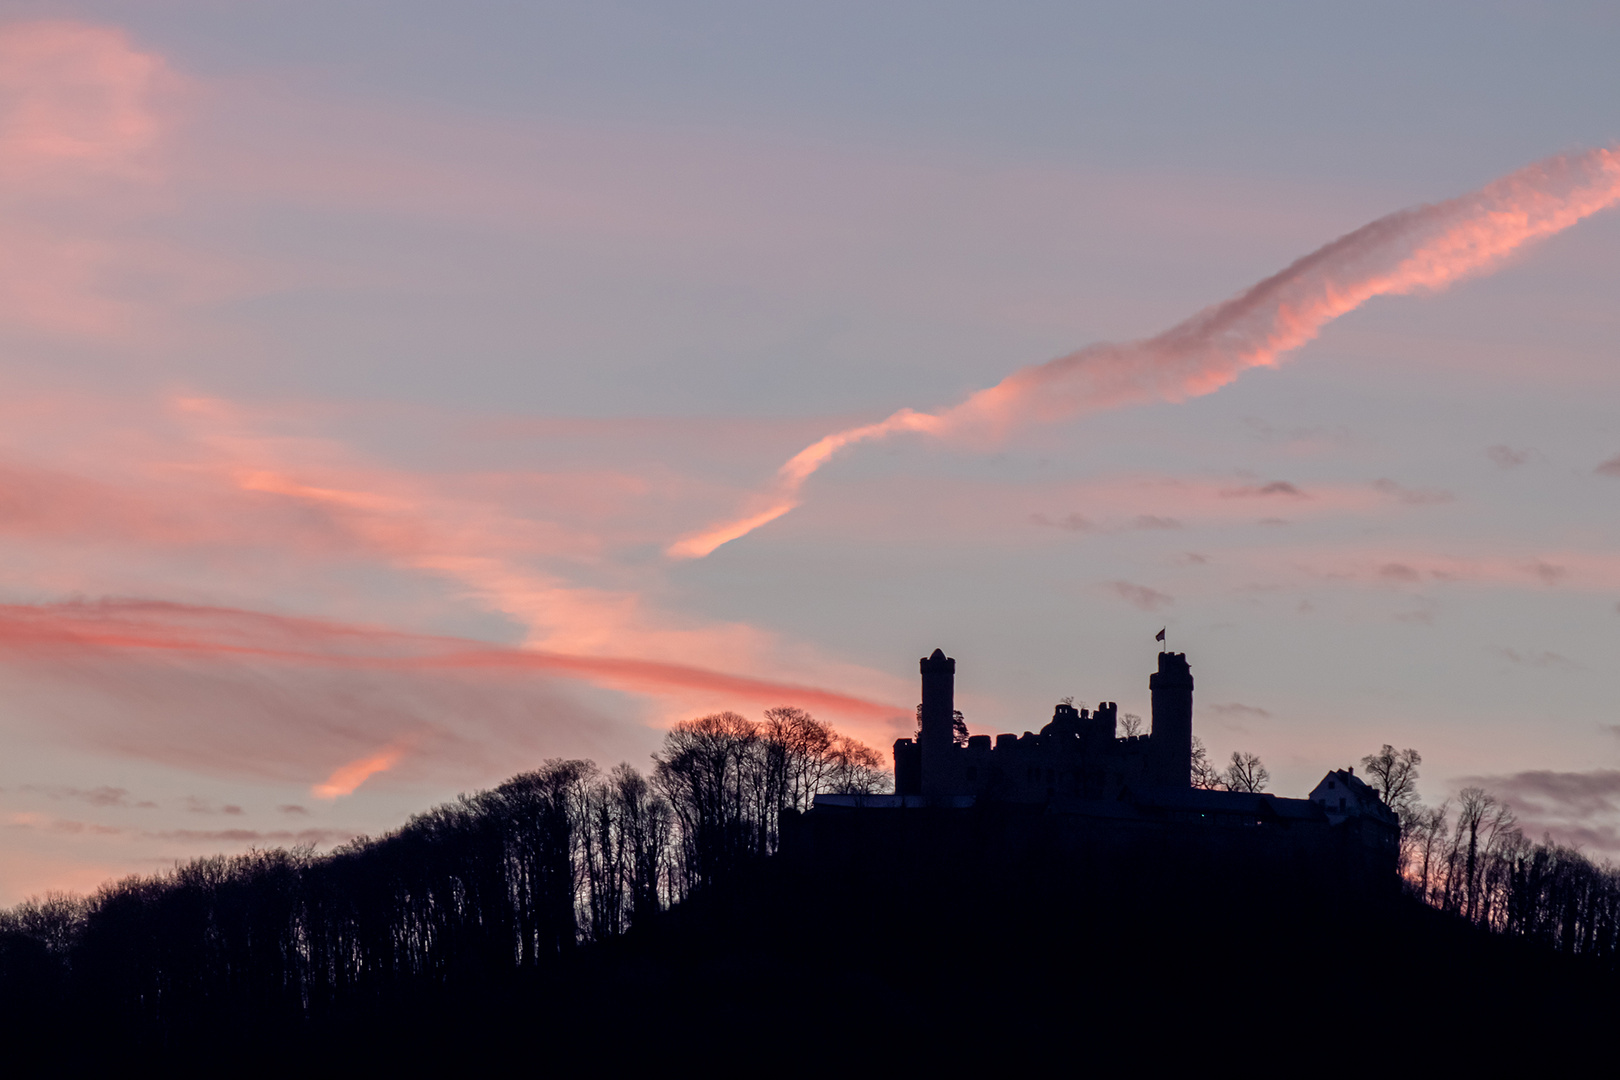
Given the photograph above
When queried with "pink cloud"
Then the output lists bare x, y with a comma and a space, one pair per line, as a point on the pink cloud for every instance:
1419, 250
246, 692
76, 93
212, 496
86, 120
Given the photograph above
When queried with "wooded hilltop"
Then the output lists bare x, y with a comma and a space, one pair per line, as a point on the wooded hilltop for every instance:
573, 898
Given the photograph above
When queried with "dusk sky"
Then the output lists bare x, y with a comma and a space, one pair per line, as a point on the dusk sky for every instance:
400, 394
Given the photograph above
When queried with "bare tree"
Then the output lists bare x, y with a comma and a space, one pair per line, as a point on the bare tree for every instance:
1130, 725
54, 921
1423, 833
603, 854
801, 743
703, 772
857, 768
646, 822
1245, 773
1204, 774
1394, 774
1483, 823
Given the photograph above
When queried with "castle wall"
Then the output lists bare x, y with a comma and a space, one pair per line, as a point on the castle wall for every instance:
1077, 755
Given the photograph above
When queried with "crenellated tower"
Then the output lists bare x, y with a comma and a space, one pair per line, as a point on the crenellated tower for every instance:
1170, 753
937, 738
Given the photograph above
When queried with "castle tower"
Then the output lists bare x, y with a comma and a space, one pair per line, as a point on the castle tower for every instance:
938, 743
1170, 753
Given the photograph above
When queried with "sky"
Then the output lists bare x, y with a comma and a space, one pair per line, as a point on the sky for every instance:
399, 395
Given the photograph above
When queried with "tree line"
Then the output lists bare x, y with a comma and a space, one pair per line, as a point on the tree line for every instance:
514, 879
497, 882
1469, 857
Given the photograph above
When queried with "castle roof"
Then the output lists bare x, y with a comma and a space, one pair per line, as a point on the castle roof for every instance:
1257, 804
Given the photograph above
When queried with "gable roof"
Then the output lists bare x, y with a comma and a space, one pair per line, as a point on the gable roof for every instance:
1366, 797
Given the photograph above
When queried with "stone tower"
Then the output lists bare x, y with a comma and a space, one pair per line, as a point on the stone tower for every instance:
938, 743
1170, 754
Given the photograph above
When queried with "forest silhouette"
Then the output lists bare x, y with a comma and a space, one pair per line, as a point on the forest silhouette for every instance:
695, 910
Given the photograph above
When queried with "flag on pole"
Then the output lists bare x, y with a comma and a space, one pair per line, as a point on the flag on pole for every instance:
1160, 635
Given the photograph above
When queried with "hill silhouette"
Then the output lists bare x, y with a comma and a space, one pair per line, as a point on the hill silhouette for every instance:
710, 913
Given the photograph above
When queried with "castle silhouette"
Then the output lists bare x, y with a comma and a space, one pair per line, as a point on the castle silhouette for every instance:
1077, 768
1077, 754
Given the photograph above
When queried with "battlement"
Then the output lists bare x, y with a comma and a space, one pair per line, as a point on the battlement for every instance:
1173, 671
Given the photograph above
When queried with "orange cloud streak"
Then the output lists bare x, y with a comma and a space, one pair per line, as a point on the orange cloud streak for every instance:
164, 627
346, 778
1421, 249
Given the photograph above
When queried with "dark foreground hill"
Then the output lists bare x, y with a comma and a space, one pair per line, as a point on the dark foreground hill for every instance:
962, 951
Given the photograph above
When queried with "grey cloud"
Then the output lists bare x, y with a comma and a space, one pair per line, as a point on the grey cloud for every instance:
63, 825
208, 806
1233, 708
1536, 659
1140, 595
1071, 523
1571, 795
1505, 457
1550, 573
1580, 808
1610, 467
97, 796
1599, 838
1276, 488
